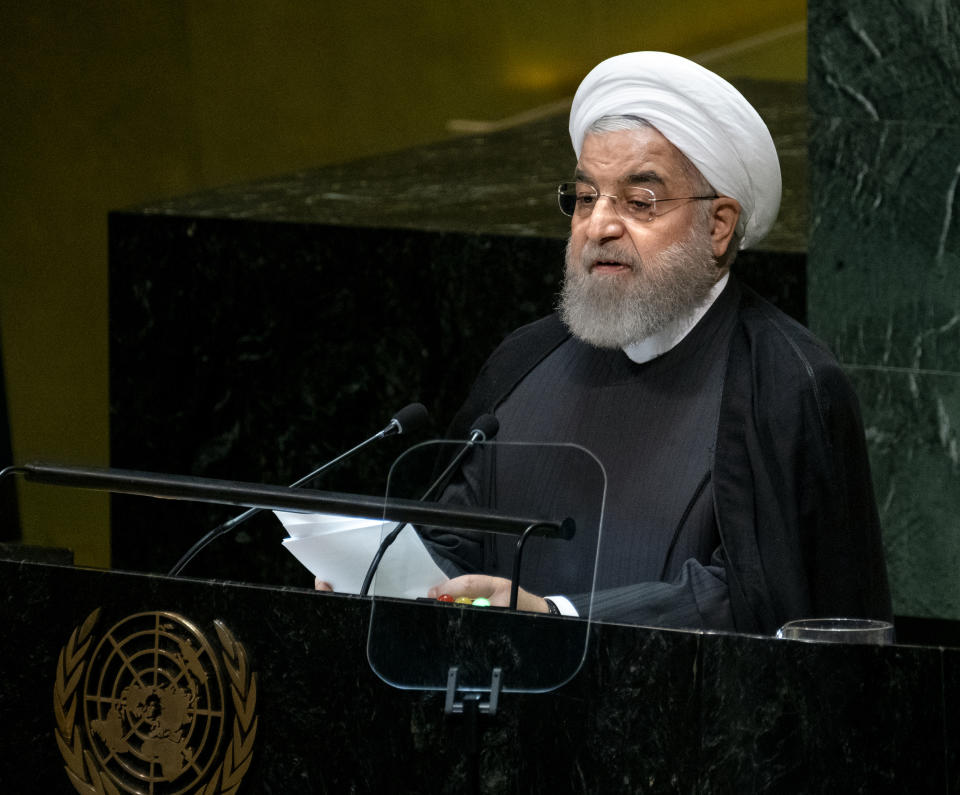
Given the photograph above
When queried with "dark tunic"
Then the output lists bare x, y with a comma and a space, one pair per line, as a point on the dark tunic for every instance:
780, 523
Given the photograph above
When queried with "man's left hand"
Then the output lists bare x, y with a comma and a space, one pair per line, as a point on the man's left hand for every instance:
496, 589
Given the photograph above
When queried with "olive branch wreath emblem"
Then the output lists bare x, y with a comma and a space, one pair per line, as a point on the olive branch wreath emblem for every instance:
81, 766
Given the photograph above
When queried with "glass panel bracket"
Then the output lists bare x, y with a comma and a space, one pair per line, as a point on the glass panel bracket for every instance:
472, 701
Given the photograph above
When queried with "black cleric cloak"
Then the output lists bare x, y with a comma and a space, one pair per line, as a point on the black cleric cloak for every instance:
792, 490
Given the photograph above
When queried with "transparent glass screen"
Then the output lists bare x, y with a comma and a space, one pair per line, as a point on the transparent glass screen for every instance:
497, 493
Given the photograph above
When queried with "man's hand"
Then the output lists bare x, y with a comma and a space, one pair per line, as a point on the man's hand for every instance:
320, 585
496, 589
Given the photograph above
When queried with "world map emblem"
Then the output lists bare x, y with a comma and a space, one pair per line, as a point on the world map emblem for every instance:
151, 707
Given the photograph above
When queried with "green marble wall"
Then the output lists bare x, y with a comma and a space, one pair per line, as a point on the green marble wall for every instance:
883, 279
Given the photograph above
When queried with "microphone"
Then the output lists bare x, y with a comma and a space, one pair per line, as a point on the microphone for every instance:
406, 420
485, 427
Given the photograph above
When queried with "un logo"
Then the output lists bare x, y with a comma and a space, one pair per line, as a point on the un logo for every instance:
150, 706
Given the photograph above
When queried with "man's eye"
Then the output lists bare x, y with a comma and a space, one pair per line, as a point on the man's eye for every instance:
586, 199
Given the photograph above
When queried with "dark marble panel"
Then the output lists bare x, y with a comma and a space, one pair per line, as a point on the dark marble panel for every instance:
951, 711
650, 711
916, 631
17, 551
256, 351
794, 717
892, 59
911, 423
884, 294
627, 723
885, 243
328, 724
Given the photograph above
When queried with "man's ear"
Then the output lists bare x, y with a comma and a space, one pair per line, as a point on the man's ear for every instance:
723, 223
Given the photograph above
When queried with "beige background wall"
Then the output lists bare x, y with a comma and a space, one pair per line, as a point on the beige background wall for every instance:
108, 104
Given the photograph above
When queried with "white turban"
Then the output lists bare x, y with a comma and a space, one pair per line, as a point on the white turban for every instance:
701, 114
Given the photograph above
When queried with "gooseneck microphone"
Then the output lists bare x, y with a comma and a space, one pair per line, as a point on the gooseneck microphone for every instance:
407, 419
485, 427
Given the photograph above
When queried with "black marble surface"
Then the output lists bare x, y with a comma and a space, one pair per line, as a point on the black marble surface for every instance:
256, 351
824, 713
258, 330
650, 711
17, 551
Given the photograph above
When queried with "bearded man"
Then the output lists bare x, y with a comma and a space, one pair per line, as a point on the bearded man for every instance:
738, 487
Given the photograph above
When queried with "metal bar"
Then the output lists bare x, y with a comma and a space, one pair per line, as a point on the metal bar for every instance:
230, 492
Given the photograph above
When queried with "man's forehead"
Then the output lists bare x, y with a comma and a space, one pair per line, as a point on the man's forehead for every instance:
645, 177
634, 157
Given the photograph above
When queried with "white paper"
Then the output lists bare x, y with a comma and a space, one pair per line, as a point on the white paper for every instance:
339, 549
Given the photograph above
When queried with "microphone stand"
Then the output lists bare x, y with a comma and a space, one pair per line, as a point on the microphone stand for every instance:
408, 416
486, 427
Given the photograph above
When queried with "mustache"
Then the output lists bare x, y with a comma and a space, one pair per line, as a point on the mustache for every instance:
593, 252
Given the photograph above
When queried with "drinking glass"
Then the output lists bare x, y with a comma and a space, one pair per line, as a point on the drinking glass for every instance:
838, 630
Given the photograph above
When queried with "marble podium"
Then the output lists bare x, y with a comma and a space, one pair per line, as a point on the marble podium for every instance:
650, 711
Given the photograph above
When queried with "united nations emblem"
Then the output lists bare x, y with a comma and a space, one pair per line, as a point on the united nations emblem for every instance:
150, 707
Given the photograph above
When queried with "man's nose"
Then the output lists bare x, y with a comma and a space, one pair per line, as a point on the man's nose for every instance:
605, 221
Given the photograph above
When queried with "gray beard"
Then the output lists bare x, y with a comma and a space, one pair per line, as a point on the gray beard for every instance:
615, 310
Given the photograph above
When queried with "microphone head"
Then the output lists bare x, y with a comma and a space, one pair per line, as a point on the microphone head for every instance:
410, 418
484, 427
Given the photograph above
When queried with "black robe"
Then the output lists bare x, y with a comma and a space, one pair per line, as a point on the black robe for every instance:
792, 491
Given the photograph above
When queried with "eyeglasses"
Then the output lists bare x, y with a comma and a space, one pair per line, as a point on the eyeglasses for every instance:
633, 204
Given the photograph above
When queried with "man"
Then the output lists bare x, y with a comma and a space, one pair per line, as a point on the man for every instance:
738, 487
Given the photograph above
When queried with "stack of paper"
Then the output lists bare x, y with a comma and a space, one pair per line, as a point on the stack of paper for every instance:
339, 549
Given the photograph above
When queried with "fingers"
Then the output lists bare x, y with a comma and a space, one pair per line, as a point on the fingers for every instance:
472, 586
496, 589
321, 585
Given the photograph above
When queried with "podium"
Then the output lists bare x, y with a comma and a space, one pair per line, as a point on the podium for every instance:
301, 711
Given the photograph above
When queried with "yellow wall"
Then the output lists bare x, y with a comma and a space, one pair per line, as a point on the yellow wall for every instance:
107, 104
